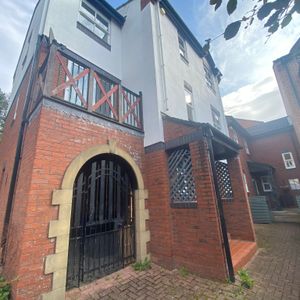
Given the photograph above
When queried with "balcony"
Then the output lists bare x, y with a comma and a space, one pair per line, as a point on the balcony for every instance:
69, 78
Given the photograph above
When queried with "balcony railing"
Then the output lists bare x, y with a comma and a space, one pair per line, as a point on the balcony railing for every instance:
67, 77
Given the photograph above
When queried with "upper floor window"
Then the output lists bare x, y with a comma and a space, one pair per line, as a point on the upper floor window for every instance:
266, 183
246, 147
209, 78
188, 93
95, 22
288, 160
216, 116
182, 47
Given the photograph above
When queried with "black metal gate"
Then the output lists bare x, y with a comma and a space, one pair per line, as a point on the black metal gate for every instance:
102, 234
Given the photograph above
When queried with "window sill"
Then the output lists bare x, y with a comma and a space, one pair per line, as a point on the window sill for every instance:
93, 36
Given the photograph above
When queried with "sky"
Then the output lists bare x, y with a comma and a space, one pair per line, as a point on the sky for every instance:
248, 88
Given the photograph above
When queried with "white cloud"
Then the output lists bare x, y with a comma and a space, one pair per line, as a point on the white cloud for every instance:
246, 61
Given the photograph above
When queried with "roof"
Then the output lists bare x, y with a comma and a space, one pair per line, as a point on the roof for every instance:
278, 125
233, 122
217, 134
248, 123
296, 47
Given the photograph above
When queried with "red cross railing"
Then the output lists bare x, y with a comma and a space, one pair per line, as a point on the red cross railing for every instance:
72, 79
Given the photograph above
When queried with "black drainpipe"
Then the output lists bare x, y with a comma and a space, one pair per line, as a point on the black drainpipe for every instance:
208, 134
18, 153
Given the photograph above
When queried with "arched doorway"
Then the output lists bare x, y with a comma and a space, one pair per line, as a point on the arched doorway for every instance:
102, 230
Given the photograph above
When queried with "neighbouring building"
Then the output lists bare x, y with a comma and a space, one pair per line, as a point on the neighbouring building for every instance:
116, 149
270, 159
287, 72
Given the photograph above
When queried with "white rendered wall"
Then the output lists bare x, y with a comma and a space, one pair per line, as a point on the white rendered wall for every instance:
140, 66
28, 49
178, 72
62, 18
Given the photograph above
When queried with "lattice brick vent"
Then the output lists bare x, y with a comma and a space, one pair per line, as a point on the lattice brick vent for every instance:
224, 181
182, 185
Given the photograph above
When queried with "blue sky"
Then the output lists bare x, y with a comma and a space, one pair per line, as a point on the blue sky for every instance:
249, 88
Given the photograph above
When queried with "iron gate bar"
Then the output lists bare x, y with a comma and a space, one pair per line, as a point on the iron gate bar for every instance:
102, 235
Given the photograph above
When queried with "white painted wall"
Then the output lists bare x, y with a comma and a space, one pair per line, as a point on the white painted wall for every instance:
28, 49
177, 72
140, 67
62, 18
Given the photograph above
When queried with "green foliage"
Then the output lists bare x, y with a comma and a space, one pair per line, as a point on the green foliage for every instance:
183, 272
141, 265
4, 289
274, 14
3, 110
246, 281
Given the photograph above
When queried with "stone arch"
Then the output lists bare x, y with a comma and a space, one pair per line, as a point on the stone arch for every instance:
56, 263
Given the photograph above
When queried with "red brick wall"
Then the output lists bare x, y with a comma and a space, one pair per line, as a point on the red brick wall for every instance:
287, 84
173, 130
59, 138
8, 145
237, 212
188, 237
244, 157
269, 149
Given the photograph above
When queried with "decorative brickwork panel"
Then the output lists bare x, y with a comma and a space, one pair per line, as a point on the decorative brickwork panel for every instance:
224, 181
182, 185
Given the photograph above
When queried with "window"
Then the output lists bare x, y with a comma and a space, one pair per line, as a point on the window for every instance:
246, 147
188, 94
182, 185
266, 183
96, 23
182, 48
294, 184
245, 182
209, 78
216, 117
288, 160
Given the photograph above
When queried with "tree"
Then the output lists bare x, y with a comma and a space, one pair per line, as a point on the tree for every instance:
275, 14
3, 110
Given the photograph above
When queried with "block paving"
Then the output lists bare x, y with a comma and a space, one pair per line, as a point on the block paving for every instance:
275, 270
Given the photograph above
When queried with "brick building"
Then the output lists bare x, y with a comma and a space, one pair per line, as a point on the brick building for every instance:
270, 159
287, 72
116, 149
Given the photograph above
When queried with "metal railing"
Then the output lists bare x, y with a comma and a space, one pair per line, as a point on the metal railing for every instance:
68, 77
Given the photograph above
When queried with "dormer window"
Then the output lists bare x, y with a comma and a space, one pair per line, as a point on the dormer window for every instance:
182, 48
94, 22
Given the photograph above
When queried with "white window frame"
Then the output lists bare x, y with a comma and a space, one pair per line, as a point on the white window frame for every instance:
182, 48
95, 22
288, 163
189, 105
245, 182
235, 135
294, 184
209, 77
216, 117
265, 180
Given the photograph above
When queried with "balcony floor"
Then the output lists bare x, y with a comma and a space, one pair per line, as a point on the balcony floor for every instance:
241, 253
